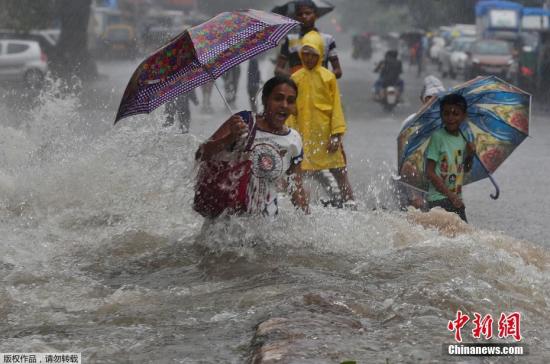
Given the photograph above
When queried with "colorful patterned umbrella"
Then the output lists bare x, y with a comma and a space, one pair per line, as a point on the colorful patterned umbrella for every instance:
497, 122
201, 54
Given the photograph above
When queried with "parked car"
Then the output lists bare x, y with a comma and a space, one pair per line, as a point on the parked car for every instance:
46, 38
452, 59
22, 61
119, 40
491, 57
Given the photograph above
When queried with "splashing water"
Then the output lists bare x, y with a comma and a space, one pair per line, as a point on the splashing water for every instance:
102, 254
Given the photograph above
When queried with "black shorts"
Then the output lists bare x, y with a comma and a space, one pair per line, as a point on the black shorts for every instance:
447, 205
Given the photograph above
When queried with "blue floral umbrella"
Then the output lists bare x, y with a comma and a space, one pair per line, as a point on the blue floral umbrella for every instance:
497, 122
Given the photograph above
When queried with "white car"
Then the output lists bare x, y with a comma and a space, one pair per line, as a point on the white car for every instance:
22, 61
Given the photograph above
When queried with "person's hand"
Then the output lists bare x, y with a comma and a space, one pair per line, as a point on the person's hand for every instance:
470, 148
237, 127
456, 201
334, 143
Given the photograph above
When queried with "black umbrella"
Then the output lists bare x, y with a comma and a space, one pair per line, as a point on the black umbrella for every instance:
289, 8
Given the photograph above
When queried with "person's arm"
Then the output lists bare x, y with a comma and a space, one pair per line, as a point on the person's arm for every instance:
299, 194
439, 184
230, 131
337, 121
280, 66
336, 68
469, 158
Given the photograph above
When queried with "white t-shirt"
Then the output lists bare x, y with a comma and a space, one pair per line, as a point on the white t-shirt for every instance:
272, 155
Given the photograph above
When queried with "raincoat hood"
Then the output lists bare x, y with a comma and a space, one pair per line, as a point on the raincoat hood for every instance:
313, 40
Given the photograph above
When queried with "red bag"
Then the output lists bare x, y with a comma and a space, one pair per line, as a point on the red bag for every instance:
221, 184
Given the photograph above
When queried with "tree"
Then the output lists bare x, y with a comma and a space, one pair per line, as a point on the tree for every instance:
72, 56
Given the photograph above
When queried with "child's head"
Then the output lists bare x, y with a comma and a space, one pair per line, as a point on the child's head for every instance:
453, 108
391, 54
310, 56
306, 13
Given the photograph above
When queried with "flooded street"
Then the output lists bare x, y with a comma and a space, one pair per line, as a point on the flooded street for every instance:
102, 254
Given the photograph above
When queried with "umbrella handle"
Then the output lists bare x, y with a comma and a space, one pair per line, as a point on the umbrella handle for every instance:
497, 189
223, 98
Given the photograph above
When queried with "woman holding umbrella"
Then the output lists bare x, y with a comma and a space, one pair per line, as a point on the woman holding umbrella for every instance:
275, 150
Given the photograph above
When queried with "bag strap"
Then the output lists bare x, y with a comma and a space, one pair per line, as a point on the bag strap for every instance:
250, 121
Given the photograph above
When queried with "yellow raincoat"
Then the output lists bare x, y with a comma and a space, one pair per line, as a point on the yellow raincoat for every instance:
319, 111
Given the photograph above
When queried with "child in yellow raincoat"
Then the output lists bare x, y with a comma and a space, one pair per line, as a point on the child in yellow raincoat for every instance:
320, 118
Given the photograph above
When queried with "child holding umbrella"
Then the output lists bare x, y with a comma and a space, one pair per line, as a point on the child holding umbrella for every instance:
448, 156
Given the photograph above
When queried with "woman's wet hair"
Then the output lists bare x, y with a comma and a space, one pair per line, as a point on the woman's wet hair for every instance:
307, 3
455, 100
270, 85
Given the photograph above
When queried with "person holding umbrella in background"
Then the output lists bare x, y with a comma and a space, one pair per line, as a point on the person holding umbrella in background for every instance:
180, 107
306, 13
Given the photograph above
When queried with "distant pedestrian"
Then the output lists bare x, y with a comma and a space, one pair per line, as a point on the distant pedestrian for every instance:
206, 95
253, 83
180, 108
231, 84
289, 60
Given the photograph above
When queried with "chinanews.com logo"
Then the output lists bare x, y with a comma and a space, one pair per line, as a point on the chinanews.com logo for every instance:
508, 327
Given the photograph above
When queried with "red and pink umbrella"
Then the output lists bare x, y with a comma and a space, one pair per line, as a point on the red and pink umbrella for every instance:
201, 54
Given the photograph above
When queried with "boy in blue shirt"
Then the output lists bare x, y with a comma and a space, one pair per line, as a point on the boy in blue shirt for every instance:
448, 156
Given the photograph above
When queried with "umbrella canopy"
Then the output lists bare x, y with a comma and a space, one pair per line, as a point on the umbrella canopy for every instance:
497, 122
201, 54
288, 8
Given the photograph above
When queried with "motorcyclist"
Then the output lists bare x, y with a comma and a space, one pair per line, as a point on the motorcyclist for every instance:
389, 69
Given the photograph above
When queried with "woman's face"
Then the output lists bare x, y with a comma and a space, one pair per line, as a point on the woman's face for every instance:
279, 105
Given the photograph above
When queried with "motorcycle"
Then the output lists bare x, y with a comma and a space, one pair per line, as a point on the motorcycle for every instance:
389, 97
